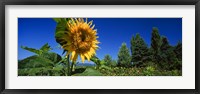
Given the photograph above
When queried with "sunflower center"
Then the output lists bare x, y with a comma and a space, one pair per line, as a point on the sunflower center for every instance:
81, 41
83, 36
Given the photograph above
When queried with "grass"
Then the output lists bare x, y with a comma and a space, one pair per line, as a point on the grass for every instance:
90, 71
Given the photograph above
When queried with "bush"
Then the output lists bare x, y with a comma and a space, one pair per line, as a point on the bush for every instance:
149, 71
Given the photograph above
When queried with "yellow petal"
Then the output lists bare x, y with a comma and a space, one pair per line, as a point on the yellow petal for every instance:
73, 54
77, 20
95, 46
75, 57
90, 23
72, 20
96, 42
93, 27
82, 20
86, 55
92, 51
82, 58
86, 19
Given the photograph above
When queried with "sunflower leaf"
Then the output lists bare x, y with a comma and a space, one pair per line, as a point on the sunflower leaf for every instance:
57, 19
31, 49
35, 62
54, 57
89, 72
96, 60
61, 30
46, 48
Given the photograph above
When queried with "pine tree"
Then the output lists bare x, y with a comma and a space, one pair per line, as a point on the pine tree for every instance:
178, 50
165, 44
139, 50
114, 63
155, 44
108, 60
178, 53
164, 53
132, 48
167, 56
124, 58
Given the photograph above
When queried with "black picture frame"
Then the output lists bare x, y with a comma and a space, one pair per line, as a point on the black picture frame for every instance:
3, 3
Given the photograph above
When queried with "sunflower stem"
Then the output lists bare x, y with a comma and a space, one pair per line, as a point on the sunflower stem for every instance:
68, 66
72, 66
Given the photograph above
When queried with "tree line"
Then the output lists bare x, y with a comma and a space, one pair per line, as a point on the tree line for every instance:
160, 53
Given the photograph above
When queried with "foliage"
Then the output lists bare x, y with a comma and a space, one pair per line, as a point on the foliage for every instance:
52, 56
178, 50
103, 62
155, 43
45, 48
139, 50
114, 63
89, 72
139, 71
108, 60
34, 62
132, 48
43, 52
161, 59
149, 71
61, 29
167, 56
43, 63
42, 71
96, 60
105, 67
124, 58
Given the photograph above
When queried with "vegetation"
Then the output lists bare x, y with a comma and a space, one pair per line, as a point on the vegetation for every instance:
139, 51
160, 59
124, 58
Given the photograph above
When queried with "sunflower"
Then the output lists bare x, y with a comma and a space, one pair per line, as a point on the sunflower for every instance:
81, 39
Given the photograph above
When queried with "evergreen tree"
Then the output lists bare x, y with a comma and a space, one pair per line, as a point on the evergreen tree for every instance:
165, 44
124, 58
167, 56
139, 50
132, 48
164, 53
178, 53
178, 50
114, 63
155, 44
108, 60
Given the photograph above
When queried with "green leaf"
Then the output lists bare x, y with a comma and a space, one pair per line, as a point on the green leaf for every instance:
31, 49
61, 25
57, 19
45, 48
41, 71
96, 60
34, 62
54, 57
61, 30
89, 72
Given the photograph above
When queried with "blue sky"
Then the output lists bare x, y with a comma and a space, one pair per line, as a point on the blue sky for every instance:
112, 32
